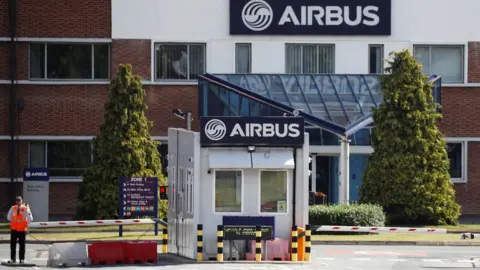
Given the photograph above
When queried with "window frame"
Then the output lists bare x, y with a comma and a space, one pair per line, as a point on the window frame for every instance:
464, 161
45, 143
242, 191
333, 45
92, 46
259, 207
188, 44
453, 45
382, 64
249, 44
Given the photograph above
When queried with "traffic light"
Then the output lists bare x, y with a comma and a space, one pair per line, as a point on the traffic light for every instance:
163, 193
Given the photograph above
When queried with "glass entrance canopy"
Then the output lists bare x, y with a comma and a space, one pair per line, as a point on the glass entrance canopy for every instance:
341, 104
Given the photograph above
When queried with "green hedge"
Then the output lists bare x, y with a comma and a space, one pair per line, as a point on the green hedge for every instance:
347, 215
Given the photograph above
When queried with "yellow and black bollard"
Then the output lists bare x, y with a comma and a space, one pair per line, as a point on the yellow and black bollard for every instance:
308, 242
294, 243
199, 242
258, 243
165, 240
220, 243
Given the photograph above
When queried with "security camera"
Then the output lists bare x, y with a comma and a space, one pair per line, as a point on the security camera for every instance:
209, 171
190, 159
296, 112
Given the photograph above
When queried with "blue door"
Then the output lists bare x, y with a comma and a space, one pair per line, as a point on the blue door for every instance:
358, 164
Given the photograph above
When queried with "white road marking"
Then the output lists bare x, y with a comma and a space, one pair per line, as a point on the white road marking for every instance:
325, 259
432, 260
397, 260
361, 259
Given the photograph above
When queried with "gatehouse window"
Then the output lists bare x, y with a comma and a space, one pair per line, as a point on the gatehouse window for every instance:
69, 61
273, 192
375, 59
176, 61
442, 60
310, 58
228, 191
62, 158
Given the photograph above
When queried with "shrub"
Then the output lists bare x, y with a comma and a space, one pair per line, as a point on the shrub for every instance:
347, 215
408, 172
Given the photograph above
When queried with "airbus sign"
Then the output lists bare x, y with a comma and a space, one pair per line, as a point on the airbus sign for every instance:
252, 131
310, 17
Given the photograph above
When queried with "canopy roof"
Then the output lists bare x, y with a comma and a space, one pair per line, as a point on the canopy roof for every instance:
341, 104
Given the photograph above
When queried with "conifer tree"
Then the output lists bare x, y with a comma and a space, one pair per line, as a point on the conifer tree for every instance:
123, 148
408, 173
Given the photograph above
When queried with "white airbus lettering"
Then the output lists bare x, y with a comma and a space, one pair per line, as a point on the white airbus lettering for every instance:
266, 130
331, 15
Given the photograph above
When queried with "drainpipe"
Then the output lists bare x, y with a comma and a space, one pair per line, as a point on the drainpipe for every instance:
12, 28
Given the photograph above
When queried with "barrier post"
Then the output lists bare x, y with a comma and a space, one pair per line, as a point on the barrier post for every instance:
165, 240
199, 242
308, 243
258, 243
294, 243
220, 243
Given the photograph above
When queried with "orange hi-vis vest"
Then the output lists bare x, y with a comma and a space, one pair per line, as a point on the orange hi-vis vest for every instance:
19, 219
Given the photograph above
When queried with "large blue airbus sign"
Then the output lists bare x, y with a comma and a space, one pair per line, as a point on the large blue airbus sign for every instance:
310, 17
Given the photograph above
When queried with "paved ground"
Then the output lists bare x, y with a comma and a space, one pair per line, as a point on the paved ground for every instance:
323, 257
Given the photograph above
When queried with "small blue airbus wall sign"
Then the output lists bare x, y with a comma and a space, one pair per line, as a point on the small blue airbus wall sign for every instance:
36, 190
271, 131
311, 17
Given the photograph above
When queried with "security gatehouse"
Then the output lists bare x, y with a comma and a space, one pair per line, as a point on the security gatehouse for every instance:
240, 173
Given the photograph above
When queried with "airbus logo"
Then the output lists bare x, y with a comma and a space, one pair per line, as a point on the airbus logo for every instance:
30, 174
258, 15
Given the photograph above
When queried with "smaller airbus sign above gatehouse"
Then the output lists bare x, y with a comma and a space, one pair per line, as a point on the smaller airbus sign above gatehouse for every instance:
310, 17
230, 131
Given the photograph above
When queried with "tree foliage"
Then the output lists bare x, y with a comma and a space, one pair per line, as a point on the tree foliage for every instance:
123, 148
408, 173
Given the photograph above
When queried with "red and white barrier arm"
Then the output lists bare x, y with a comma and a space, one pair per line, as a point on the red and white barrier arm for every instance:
89, 223
469, 236
378, 229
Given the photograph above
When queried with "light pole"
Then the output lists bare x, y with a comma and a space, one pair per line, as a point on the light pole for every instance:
185, 116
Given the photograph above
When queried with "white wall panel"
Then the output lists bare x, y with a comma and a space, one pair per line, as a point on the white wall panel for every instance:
413, 21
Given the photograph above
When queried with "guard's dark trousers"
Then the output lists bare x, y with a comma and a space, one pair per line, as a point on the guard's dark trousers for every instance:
14, 235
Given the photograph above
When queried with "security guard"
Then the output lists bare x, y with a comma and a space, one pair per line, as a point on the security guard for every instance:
19, 216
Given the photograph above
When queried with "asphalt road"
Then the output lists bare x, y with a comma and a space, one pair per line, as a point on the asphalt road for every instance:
327, 257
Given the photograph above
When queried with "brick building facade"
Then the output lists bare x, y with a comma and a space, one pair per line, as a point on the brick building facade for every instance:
59, 108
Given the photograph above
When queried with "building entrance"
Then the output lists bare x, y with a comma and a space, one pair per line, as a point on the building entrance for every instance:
326, 172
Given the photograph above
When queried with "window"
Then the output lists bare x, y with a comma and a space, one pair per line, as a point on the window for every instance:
310, 58
69, 61
243, 58
179, 61
445, 61
273, 191
66, 159
228, 191
375, 59
455, 153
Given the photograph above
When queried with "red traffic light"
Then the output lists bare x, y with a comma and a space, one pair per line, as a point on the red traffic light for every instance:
163, 193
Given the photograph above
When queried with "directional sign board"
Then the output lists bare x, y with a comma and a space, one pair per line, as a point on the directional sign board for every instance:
139, 196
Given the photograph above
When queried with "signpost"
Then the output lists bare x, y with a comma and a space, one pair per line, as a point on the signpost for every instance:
138, 198
36, 188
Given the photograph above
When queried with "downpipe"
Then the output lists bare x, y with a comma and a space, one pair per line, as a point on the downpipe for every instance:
12, 28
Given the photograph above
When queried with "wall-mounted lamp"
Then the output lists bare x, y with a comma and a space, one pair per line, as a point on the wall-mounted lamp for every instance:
251, 149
